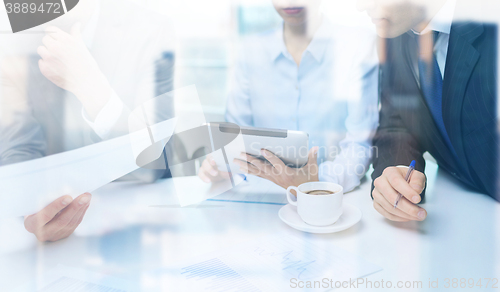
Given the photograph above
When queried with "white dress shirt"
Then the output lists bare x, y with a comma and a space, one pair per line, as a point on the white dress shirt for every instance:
332, 95
111, 112
441, 23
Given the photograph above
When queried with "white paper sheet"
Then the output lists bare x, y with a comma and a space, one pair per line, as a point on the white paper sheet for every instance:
271, 263
192, 190
29, 186
254, 190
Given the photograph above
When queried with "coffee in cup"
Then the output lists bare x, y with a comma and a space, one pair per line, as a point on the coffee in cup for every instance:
320, 192
318, 203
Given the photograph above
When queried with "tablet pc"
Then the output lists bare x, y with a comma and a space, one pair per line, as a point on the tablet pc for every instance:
290, 146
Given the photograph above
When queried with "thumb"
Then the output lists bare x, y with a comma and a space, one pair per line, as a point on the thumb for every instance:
76, 30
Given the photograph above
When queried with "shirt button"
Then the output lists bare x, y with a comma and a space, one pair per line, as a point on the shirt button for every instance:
297, 87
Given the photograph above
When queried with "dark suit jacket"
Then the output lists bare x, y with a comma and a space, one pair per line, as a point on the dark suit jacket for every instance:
407, 128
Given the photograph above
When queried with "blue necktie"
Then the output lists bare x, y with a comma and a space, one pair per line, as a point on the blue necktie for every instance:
431, 84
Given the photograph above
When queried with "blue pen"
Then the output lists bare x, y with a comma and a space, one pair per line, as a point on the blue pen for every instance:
407, 178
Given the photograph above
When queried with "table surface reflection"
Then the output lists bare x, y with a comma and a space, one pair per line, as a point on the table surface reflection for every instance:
138, 233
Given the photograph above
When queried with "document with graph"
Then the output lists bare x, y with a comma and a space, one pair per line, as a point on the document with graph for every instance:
275, 263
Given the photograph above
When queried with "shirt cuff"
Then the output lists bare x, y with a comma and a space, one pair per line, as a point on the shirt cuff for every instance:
325, 172
339, 173
107, 117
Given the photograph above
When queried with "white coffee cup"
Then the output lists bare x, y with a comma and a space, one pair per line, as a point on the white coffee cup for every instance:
320, 209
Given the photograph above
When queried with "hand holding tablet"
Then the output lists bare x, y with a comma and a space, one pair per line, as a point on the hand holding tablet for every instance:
275, 170
280, 156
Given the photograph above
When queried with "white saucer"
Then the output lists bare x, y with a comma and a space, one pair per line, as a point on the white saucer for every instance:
350, 216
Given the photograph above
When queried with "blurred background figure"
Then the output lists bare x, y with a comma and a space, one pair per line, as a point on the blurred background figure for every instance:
72, 82
309, 75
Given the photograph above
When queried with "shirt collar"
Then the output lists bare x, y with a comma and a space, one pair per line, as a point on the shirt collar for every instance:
278, 47
321, 39
442, 21
316, 48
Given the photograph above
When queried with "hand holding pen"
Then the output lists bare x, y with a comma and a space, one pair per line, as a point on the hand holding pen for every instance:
407, 178
396, 193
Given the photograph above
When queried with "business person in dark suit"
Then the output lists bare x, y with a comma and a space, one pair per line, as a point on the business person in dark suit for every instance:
438, 93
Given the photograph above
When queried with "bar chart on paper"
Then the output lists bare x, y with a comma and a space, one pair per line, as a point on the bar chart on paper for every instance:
271, 264
218, 276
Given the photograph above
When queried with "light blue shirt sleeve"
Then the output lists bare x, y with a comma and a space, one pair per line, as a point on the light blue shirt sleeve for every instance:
349, 167
239, 106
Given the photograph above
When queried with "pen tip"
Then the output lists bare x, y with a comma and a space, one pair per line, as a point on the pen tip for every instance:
412, 163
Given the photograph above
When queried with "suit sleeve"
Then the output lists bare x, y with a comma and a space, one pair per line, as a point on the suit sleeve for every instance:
21, 136
393, 144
